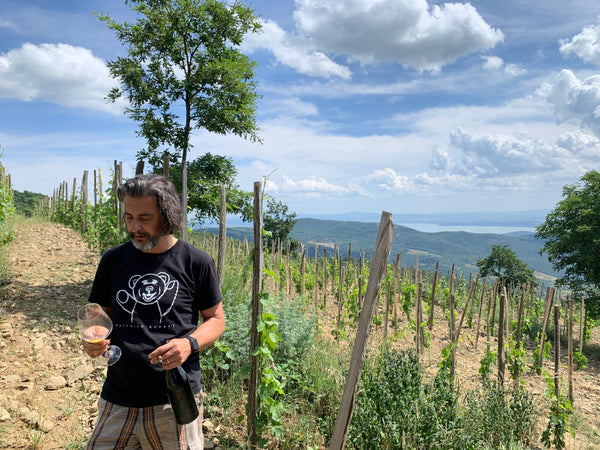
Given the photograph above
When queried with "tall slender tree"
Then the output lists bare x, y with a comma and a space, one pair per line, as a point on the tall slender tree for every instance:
184, 70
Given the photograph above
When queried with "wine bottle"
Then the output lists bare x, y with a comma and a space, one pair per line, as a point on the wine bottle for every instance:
181, 396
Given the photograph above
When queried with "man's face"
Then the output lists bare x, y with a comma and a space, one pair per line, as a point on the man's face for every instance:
144, 222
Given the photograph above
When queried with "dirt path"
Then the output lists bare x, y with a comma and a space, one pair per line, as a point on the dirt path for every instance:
49, 388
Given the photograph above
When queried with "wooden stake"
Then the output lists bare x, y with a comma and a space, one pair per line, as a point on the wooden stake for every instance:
378, 269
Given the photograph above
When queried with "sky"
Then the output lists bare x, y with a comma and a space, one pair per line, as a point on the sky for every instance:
405, 106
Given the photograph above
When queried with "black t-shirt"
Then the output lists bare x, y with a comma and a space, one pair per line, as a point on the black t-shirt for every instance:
153, 297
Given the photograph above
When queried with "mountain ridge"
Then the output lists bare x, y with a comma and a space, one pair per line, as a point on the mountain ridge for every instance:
459, 248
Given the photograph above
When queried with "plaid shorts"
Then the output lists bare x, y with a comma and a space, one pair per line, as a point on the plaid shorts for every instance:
153, 427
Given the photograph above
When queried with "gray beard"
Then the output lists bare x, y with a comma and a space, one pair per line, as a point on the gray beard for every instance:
148, 246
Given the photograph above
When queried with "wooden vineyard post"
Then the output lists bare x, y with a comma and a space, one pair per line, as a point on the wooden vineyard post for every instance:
361, 264
256, 314
462, 317
394, 297
547, 308
431, 311
165, 159
452, 326
518, 334
570, 349
222, 236
340, 301
419, 316
66, 197
325, 276
481, 299
501, 355
494, 301
452, 323
378, 269
302, 271
387, 310
73, 201
139, 167
84, 201
581, 323
288, 270
399, 296
556, 351
520, 314
316, 285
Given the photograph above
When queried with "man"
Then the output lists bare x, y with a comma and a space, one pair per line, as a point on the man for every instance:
154, 288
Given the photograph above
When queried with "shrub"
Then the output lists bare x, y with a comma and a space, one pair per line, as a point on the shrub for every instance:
496, 418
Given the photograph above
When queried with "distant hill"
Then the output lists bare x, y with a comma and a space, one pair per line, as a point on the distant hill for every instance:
27, 202
460, 248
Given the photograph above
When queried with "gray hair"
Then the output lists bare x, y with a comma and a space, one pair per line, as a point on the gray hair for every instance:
163, 190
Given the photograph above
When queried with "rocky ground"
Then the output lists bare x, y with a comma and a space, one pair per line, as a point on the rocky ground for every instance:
49, 388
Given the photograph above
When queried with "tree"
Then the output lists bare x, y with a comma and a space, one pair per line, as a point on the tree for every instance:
572, 234
205, 177
503, 263
278, 221
184, 71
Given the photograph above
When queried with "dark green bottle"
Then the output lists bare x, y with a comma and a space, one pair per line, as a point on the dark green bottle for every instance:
181, 396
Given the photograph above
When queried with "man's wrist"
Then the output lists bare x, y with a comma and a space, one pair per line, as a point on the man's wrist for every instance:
193, 344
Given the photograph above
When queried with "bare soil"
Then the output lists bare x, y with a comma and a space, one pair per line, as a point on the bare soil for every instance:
49, 387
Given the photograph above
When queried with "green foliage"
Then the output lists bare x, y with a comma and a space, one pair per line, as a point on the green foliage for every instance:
394, 409
495, 418
503, 263
26, 203
7, 209
516, 360
572, 233
485, 365
270, 386
559, 423
546, 353
580, 360
205, 175
278, 220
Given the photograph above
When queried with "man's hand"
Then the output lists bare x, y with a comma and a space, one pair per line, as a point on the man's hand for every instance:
171, 354
95, 349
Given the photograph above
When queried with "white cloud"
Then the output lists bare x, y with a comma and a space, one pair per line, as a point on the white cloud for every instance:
494, 63
294, 52
388, 180
513, 70
8, 24
492, 156
585, 45
574, 100
289, 106
58, 73
317, 187
582, 146
410, 32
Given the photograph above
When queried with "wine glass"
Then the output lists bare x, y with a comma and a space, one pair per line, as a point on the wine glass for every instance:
94, 326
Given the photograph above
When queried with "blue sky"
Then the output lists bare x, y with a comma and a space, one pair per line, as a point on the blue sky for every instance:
367, 105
